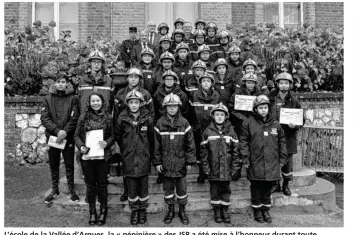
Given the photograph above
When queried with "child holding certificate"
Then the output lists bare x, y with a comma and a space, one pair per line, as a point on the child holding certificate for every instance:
263, 149
59, 116
174, 150
239, 111
94, 137
281, 97
220, 160
135, 135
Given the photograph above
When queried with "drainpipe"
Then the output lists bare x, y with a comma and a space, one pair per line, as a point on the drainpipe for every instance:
112, 20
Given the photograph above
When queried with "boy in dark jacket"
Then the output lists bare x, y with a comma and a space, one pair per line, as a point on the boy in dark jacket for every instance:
281, 97
263, 149
203, 100
224, 83
192, 84
220, 160
250, 66
235, 64
135, 134
204, 53
174, 153
148, 66
59, 116
211, 31
183, 63
167, 60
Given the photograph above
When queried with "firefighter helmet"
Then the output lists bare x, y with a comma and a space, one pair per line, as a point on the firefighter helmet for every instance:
250, 62
234, 49
169, 73
219, 107
223, 33
167, 55
199, 32
261, 99
203, 48
135, 95
220, 61
199, 21
284, 76
162, 25
171, 99
207, 75
179, 20
135, 70
211, 25
165, 38
182, 45
147, 51
249, 77
199, 64
177, 31
96, 54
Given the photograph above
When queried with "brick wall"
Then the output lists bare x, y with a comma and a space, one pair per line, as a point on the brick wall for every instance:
309, 12
25, 14
94, 19
126, 14
259, 13
11, 13
243, 12
218, 12
329, 14
15, 106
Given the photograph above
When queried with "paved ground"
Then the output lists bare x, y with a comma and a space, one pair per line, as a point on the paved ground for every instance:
24, 207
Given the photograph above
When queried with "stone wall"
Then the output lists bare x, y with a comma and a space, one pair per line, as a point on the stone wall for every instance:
25, 140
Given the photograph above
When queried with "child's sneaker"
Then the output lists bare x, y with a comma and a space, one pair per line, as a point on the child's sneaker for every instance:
53, 195
73, 197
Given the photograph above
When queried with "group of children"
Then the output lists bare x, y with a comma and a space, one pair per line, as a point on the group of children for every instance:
176, 115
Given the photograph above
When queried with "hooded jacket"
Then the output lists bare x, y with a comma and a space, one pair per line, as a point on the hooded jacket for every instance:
220, 156
290, 102
148, 83
235, 70
136, 141
174, 146
263, 146
182, 68
160, 95
60, 111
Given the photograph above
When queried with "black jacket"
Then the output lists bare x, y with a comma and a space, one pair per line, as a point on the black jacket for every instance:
262, 144
148, 83
174, 146
235, 70
225, 87
219, 152
136, 141
60, 111
290, 102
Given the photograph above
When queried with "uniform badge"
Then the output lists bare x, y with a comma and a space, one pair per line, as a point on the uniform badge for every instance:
266, 133
72, 113
222, 87
172, 137
144, 128
43, 108
149, 76
274, 131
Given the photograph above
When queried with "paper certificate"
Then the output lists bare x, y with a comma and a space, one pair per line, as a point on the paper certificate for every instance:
92, 139
52, 142
244, 102
294, 116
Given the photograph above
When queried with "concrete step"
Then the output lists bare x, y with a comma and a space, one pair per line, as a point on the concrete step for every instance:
317, 198
302, 178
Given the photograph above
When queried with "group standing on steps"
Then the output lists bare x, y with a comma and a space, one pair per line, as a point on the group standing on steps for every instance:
173, 106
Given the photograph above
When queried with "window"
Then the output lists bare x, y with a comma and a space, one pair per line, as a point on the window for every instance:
65, 14
288, 14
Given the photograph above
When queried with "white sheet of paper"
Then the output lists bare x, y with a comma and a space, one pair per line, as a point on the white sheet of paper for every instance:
294, 116
244, 102
52, 142
92, 139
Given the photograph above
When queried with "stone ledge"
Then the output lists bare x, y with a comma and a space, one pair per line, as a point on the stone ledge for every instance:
320, 96
24, 99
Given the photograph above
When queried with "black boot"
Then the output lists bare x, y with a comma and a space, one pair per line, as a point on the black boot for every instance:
134, 217
182, 215
276, 187
170, 214
225, 215
201, 176
266, 216
160, 178
286, 189
93, 214
124, 196
258, 215
217, 214
142, 216
103, 215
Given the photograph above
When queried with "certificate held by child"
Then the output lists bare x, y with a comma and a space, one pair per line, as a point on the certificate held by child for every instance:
93, 139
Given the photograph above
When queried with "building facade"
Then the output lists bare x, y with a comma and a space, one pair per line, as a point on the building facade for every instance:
112, 19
